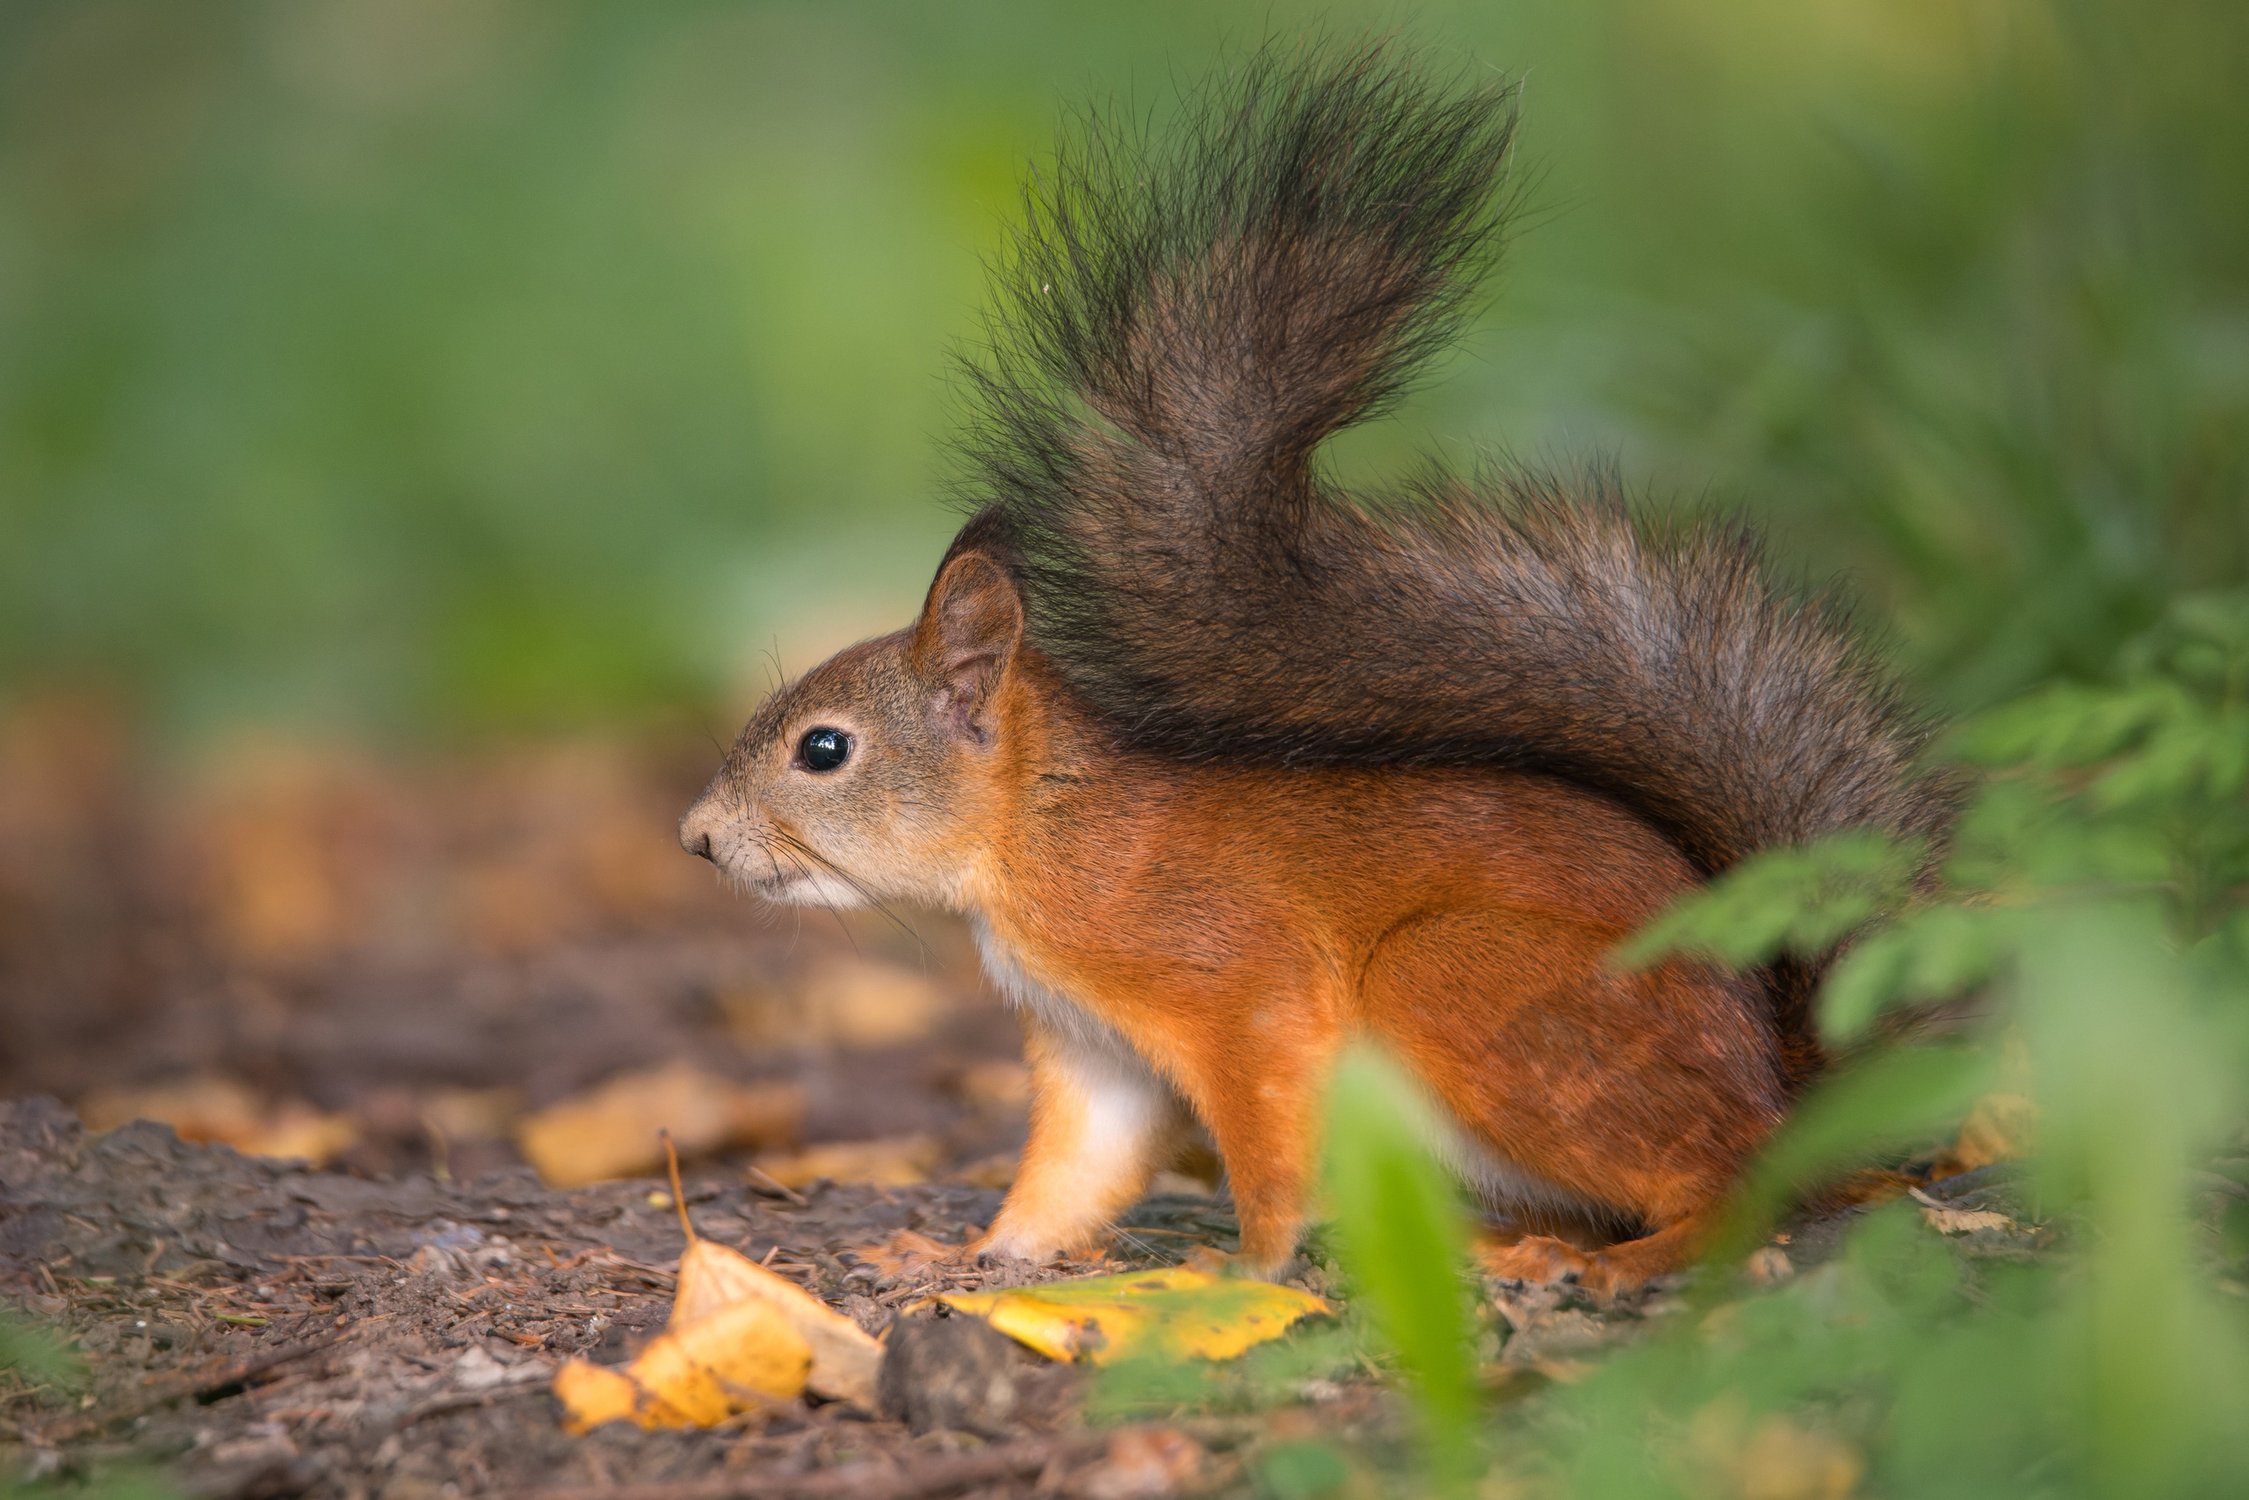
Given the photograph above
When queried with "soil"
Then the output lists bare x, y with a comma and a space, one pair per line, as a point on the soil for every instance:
421, 952
428, 950
262, 1329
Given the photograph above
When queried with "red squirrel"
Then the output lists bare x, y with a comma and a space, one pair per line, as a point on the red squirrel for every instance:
1227, 767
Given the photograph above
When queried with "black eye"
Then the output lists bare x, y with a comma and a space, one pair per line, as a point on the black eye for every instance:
823, 749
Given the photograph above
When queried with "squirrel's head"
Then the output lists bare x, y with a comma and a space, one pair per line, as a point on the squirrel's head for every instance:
871, 777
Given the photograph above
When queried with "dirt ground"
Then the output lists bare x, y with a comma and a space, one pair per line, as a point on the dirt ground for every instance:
409, 970
419, 958
262, 1329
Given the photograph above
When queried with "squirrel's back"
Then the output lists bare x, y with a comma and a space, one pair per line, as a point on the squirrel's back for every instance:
1185, 323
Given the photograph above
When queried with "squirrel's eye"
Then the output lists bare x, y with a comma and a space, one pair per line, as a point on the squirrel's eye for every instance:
823, 749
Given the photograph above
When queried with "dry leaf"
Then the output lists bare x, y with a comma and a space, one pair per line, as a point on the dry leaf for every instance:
1774, 1459
843, 1002
465, 1114
844, 1356
738, 1336
1998, 1129
996, 1172
1783, 1461
894, 1161
283, 847
1175, 1314
695, 1375
218, 1109
1945, 1219
999, 1086
612, 1131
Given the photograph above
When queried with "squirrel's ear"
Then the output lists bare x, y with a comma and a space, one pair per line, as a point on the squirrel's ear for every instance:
966, 637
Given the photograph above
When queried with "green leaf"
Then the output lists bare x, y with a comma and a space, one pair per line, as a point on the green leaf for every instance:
1399, 1231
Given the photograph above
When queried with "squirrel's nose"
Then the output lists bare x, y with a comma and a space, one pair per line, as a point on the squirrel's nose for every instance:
695, 833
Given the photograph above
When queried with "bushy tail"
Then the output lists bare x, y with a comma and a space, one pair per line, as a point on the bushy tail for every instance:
1183, 324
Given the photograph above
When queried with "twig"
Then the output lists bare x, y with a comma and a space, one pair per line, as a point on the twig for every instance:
775, 1186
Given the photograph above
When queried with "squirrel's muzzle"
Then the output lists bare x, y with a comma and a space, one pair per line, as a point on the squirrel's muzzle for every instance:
695, 830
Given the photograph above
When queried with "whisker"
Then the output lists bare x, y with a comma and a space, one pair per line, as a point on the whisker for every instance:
880, 905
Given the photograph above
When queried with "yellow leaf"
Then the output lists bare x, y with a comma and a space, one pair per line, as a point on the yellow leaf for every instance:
611, 1132
1999, 1128
739, 1337
696, 1375
724, 1362
219, 1109
891, 1161
844, 1357
592, 1394
711, 1277
842, 1002
1175, 1314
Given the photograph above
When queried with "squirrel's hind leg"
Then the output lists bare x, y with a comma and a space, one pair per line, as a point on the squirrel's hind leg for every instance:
1623, 1267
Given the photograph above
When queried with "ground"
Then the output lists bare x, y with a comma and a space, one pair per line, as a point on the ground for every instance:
398, 966
419, 971
265, 1329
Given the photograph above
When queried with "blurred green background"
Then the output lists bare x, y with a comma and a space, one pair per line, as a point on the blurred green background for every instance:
436, 367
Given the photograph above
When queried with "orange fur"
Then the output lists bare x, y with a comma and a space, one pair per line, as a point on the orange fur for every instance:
1197, 944
1236, 928
1230, 767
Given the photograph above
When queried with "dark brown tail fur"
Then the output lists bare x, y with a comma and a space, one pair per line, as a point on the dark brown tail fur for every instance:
1184, 324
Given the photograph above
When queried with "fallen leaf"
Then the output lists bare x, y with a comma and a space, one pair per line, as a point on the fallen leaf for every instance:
464, 1114
221, 1110
1773, 1458
739, 1337
1945, 1219
842, 1002
612, 1131
282, 848
298, 1132
1174, 1314
996, 1172
893, 1161
1785, 1461
592, 1394
695, 1375
1998, 1129
1000, 1086
713, 1278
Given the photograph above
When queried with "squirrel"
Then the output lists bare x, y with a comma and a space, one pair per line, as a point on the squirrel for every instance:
1227, 768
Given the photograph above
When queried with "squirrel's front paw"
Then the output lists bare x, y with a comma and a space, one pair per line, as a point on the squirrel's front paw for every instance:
1001, 1243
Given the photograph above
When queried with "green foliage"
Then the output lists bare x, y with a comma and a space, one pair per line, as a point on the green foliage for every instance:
37, 1358
2095, 901
36, 1364
1397, 1227
1990, 359
1302, 1471
103, 1484
1799, 900
442, 365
